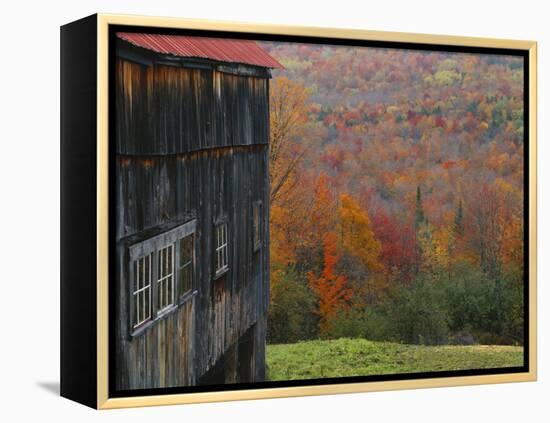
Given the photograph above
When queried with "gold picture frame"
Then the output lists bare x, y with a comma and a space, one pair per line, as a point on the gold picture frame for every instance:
97, 395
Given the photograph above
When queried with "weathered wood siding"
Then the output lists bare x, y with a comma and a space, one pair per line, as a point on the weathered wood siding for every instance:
192, 144
169, 110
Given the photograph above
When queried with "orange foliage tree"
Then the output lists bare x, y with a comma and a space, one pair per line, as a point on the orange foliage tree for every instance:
299, 223
330, 288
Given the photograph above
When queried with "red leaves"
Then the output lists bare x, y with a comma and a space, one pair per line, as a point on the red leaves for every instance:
448, 164
330, 288
397, 240
334, 157
440, 122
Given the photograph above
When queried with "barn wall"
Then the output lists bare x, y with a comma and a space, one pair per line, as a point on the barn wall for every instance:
165, 109
203, 156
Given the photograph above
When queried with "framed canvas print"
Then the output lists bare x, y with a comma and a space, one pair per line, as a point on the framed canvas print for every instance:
254, 211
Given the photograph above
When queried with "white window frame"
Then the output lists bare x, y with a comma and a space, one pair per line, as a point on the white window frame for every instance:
183, 266
142, 310
165, 279
221, 250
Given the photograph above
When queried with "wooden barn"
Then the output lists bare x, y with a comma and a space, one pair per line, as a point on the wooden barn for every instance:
192, 210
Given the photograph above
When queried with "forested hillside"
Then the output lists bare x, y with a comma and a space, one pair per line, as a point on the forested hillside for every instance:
396, 195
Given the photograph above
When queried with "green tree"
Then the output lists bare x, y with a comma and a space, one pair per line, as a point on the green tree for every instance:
292, 315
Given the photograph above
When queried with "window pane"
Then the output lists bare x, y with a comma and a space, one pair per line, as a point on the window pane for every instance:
141, 290
170, 291
163, 264
220, 260
143, 278
140, 306
162, 271
147, 310
159, 264
147, 271
165, 282
159, 295
136, 276
185, 278
136, 310
186, 246
186, 250
163, 303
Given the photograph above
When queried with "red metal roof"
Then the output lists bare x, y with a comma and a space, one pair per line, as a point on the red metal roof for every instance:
220, 49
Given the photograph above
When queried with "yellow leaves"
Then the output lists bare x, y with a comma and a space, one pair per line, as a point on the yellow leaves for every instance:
510, 128
444, 78
287, 105
288, 116
282, 250
296, 65
302, 220
428, 80
356, 232
448, 65
512, 243
393, 109
318, 218
440, 253
505, 187
441, 248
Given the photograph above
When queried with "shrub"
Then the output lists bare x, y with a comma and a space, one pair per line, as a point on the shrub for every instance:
348, 323
292, 309
418, 315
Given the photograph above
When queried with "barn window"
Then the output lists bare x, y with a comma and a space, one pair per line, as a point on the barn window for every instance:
141, 291
257, 224
165, 283
221, 254
186, 247
161, 271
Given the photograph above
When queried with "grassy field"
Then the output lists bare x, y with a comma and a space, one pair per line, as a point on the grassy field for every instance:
359, 357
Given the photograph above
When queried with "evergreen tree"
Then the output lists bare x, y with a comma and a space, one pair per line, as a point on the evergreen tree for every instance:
419, 225
459, 220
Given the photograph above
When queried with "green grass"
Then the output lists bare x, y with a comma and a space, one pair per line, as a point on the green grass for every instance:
359, 357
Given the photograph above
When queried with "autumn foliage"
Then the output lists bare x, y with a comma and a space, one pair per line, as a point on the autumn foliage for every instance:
357, 234
331, 289
397, 192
